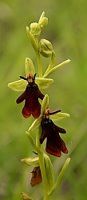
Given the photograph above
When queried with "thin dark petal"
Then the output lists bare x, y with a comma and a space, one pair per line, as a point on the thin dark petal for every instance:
21, 97
26, 113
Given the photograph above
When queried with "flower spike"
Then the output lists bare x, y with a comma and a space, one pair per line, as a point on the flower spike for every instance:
31, 87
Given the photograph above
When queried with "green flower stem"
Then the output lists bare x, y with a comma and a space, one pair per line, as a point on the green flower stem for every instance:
43, 172
54, 68
52, 62
33, 40
42, 166
61, 175
39, 62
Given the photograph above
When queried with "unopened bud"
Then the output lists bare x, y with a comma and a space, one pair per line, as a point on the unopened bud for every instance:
45, 48
35, 28
43, 22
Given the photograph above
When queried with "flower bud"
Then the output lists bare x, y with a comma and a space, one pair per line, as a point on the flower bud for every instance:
43, 22
35, 28
45, 48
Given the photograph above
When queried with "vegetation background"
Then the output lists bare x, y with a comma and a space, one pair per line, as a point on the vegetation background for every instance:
67, 29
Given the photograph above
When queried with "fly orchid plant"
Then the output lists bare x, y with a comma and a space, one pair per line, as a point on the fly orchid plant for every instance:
36, 103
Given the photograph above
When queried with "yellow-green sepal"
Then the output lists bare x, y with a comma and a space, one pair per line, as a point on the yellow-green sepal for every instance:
43, 83
35, 124
29, 67
45, 104
31, 161
58, 116
18, 86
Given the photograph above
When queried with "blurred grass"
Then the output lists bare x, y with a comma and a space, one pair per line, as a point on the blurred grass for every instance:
67, 30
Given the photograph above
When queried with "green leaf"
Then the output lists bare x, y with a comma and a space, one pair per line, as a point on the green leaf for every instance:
31, 161
49, 171
35, 124
59, 116
29, 67
18, 86
60, 176
62, 172
44, 83
45, 104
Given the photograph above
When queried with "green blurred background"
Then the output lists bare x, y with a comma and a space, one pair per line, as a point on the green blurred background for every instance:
67, 29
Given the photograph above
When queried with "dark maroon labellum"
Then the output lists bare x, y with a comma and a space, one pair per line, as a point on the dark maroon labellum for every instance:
54, 145
31, 95
36, 176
